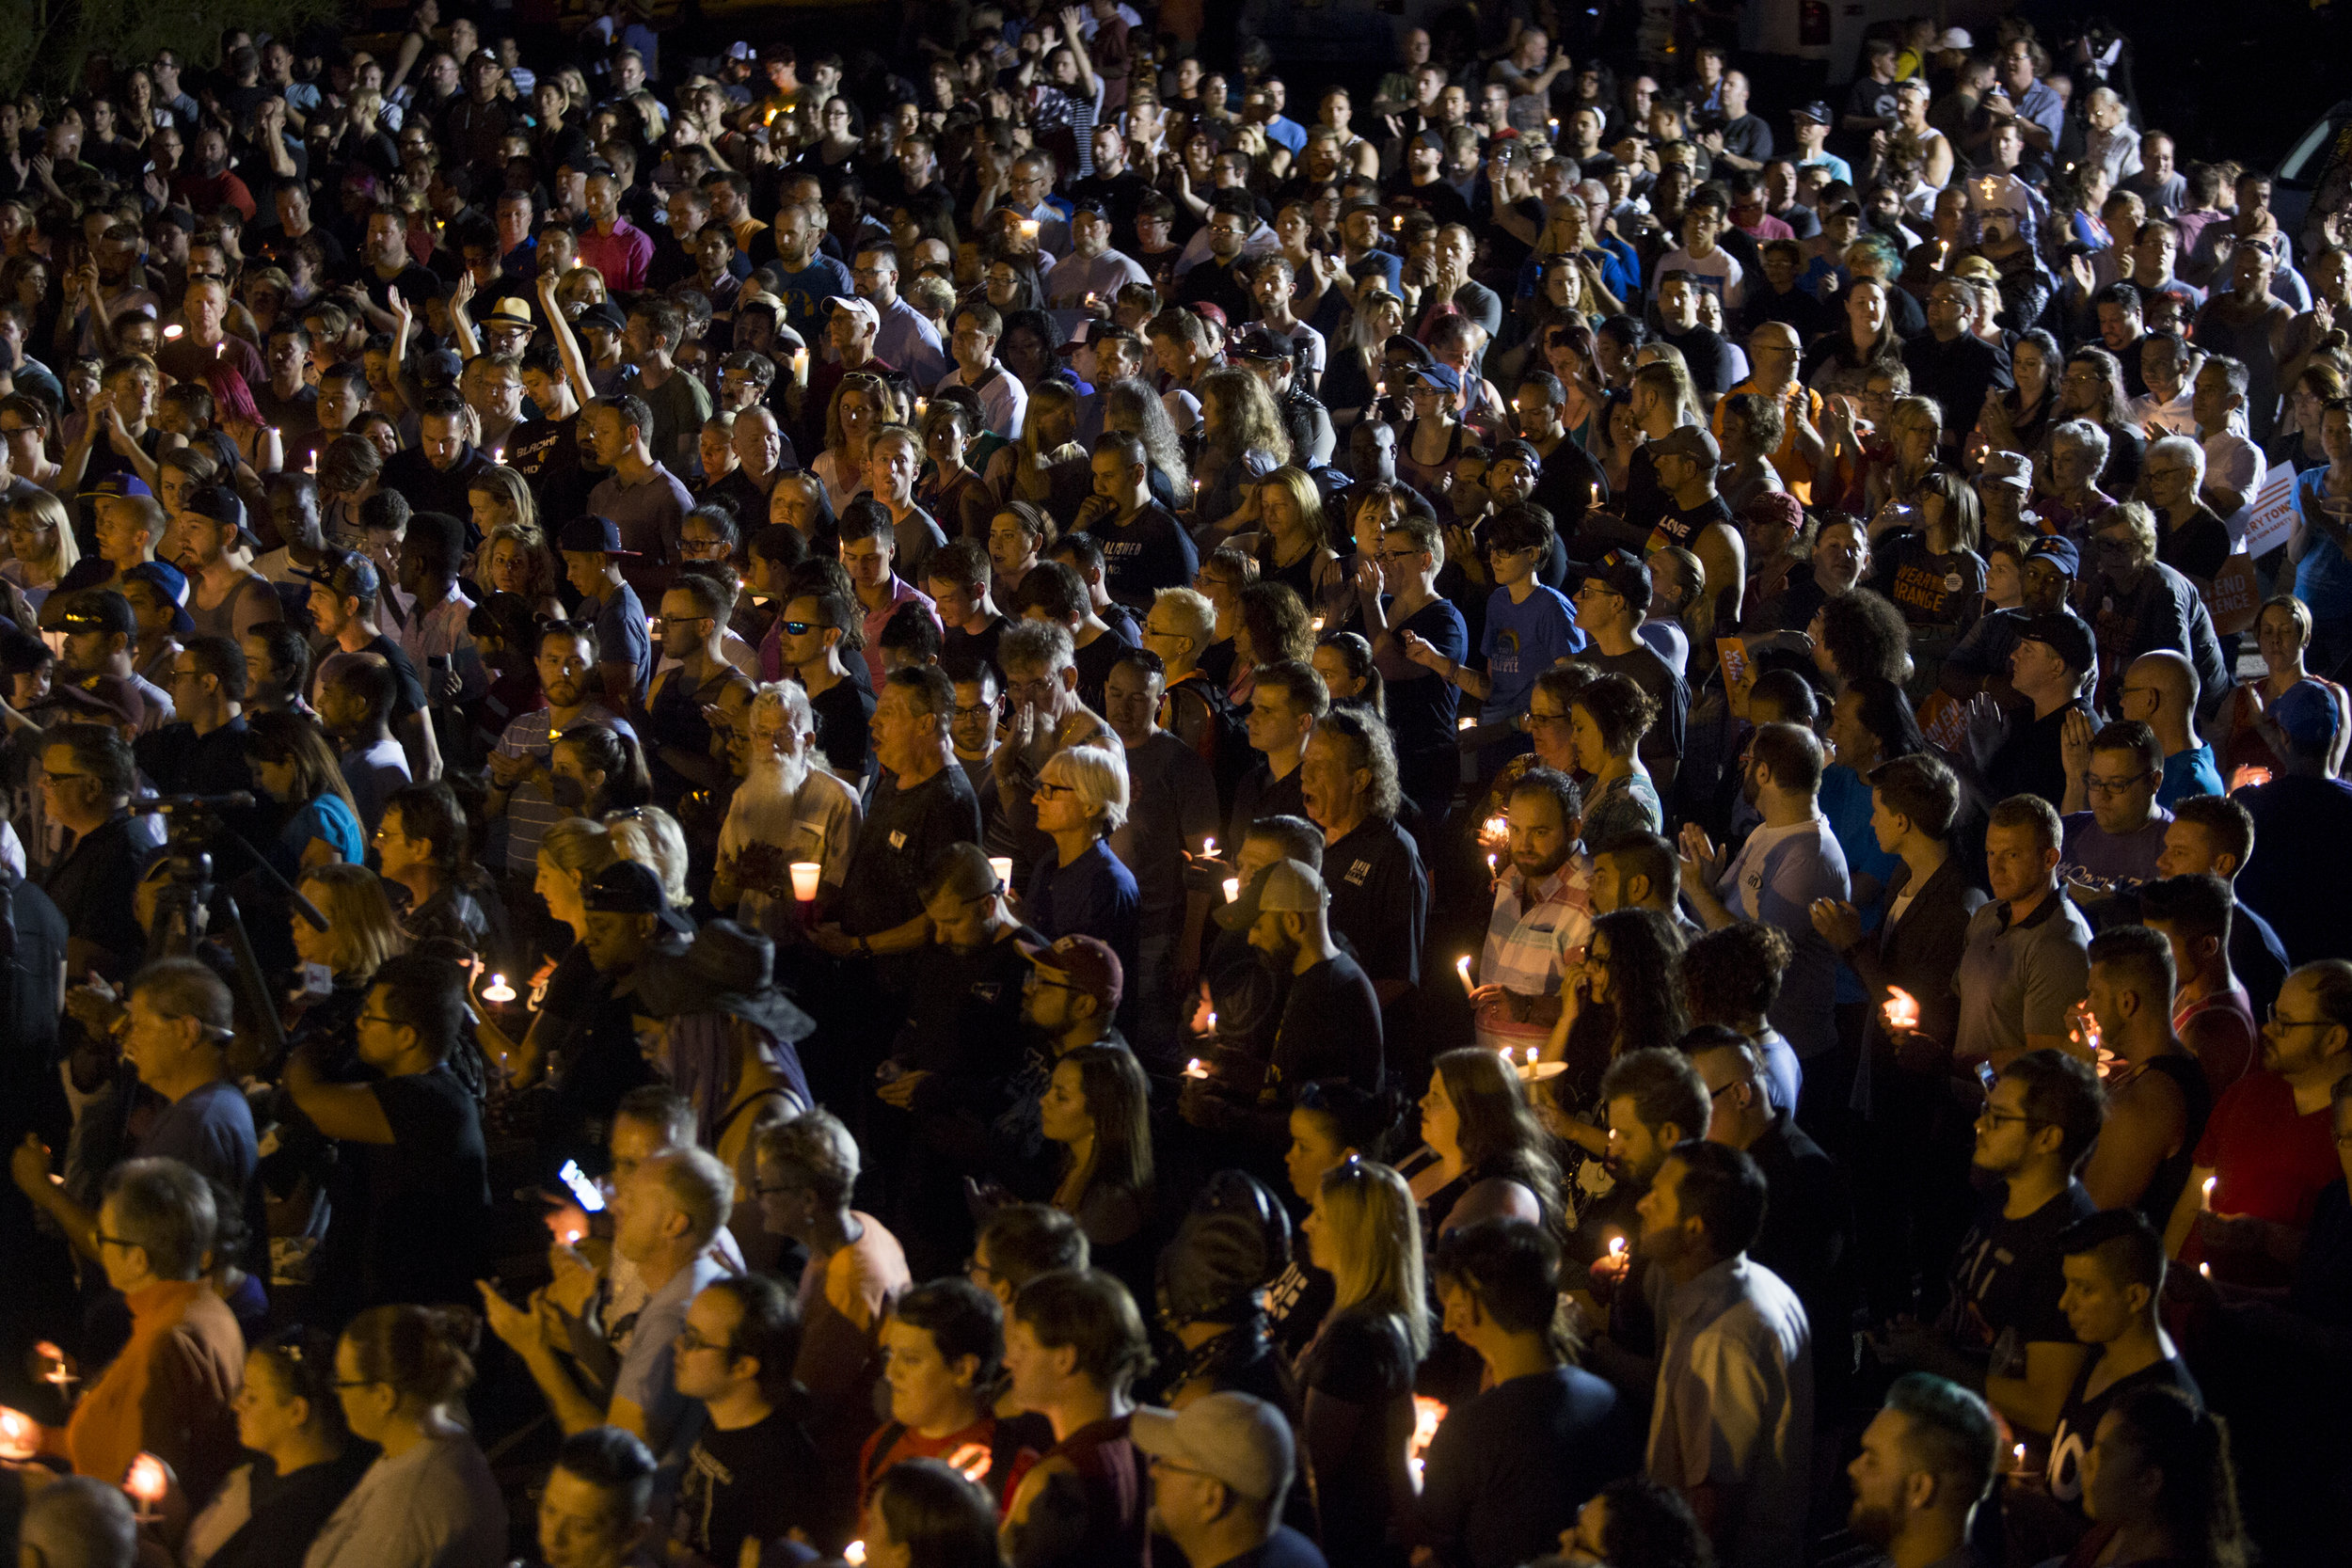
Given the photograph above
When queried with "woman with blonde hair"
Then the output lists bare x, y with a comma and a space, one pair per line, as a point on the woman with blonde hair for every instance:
1049, 434
361, 932
1081, 888
652, 838
499, 497
1292, 542
41, 541
1243, 440
1358, 1371
1134, 408
1358, 363
859, 405
515, 559
571, 852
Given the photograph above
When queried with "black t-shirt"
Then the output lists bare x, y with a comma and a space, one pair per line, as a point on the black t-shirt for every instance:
407, 1218
547, 453
1379, 897
1366, 1359
2079, 1418
1420, 711
1151, 550
1930, 590
845, 717
2032, 760
1507, 1472
2197, 550
1330, 1029
976, 644
93, 883
288, 1512
1708, 355
904, 831
1260, 794
2005, 1277
964, 1021
758, 1480
1095, 659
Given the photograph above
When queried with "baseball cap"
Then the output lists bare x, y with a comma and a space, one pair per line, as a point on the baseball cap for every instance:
100, 610
2013, 469
347, 576
1912, 83
1362, 204
1257, 342
625, 887
1816, 111
1691, 441
1444, 378
592, 533
1622, 573
1210, 312
2066, 634
2059, 552
1237, 1438
172, 584
863, 309
2306, 715
739, 50
440, 368
1086, 964
108, 699
1084, 335
606, 314
219, 503
118, 486
1286, 887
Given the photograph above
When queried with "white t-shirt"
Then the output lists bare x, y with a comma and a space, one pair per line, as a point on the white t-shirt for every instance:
1719, 273
437, 1506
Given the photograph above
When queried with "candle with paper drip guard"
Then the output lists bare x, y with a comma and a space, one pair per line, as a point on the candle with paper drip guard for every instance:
498, 993
804, 875
1196, 1068
60, 1372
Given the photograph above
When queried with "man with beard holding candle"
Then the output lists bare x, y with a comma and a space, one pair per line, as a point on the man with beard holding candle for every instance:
784, 810
1542, 912
523, 793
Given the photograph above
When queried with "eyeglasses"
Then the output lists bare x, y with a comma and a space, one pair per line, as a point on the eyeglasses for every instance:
105, 1240
690, 1339
1052, 790
379, 1018
61, 778
798, 628
2278, 1023
2098, 785
1998, 1117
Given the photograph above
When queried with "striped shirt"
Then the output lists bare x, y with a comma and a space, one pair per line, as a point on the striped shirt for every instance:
1529, 937
529, 811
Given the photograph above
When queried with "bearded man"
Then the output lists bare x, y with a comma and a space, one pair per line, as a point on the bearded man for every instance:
784, 810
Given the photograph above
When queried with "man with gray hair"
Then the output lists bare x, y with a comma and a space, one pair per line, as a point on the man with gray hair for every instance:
1220, 1468
77, 1522
170, 1392
2191, 538
781, 807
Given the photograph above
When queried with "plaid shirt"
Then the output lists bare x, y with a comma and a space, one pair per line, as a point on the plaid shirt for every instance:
1527, 938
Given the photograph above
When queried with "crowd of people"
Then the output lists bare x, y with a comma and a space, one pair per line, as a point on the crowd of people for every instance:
976, 807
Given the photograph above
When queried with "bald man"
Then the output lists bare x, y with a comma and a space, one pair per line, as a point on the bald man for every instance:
2160, 691
75, 1522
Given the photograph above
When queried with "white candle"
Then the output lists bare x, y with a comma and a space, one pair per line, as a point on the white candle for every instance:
1196, 1068
1208, 847
1616, 1246
497, 991
1002, 866
805, 874
1232, 890
1462, 967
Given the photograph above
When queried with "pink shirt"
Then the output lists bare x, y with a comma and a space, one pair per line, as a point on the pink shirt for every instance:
621, 256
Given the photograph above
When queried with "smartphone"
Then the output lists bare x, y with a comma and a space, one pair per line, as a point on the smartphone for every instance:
583, 1191
1986, 1076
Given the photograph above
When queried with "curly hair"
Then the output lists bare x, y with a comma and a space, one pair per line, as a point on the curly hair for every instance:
1866, 635
1619, 709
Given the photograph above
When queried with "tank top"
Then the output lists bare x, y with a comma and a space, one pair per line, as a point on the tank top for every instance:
2171, 1173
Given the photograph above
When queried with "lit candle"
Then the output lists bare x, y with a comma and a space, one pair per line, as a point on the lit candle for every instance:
855, 1554
1232, 890
20, 1435
498, 454
1468, 721
1396, 225
147, 1482
800, 366
1002, 866
922, 407
1091, 302
973, 1460
1196, 1068
173, 332
2204, 1271
60, 1370
1318, 625
1213, 1021
1208, 849
570, 1235
311, 465
1462, 967
497, 991
805, 874
1028, 228
2210, 1182
1616, 1246
220, 349
1901, 1011
2019, 1454
1531, 1055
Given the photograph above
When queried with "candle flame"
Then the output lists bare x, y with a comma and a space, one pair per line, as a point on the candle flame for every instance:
855, 1554
148, 1480
19, 1434
498, 990
1616, 1246
1196, 1068
1462, 967
974, 1460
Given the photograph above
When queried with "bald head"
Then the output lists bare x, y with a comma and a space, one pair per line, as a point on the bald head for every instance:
76, 1522
2171, 680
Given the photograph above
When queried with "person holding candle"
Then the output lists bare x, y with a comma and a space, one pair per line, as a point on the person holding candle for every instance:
1911, 1209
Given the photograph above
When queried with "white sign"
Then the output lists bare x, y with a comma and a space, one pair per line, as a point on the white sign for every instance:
2272, 516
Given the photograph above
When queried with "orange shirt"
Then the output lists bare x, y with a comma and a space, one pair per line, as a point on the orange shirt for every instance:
167, 1393
1801, 401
